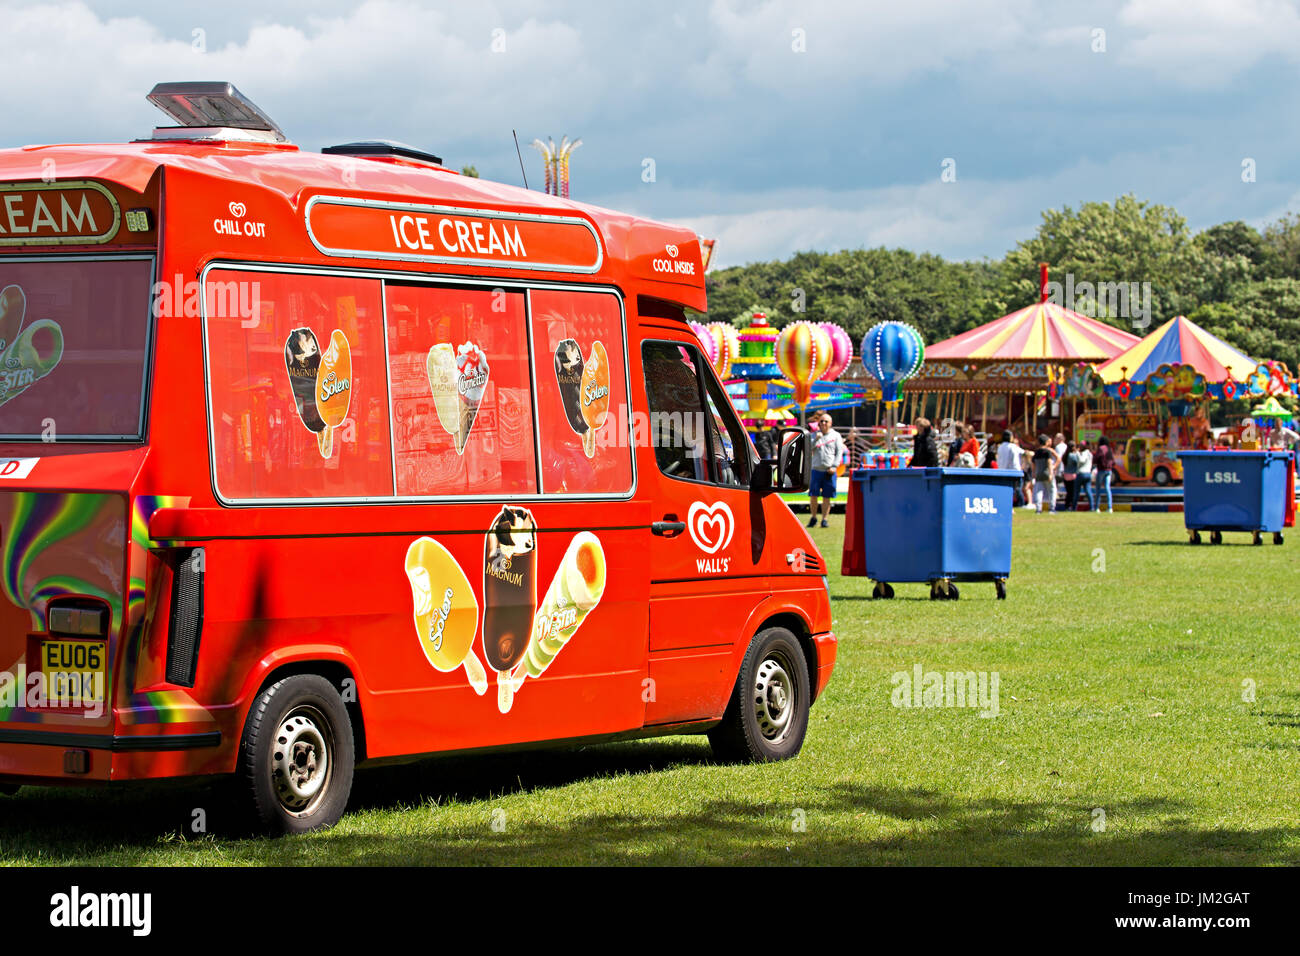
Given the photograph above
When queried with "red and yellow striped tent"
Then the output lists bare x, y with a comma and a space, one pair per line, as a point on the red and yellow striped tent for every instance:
1042, 332
1002, 370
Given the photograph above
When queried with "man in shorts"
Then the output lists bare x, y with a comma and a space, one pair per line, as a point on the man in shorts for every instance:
827, 450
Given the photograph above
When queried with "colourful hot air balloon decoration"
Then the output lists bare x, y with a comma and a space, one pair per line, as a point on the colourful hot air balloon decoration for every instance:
841, 350
803, 353
707, 342
727, 347
893, 353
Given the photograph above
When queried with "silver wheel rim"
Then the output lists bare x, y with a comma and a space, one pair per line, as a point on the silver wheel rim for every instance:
301, 764
774, 700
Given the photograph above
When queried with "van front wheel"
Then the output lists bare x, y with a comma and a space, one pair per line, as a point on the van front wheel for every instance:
297, 755
767, 716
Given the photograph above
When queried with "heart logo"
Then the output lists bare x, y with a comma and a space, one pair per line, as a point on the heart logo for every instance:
238, 210
710, 526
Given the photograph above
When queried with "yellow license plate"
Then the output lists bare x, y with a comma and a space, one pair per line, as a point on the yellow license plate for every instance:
74, 671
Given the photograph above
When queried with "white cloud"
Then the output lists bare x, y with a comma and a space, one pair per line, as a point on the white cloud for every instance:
1202, 43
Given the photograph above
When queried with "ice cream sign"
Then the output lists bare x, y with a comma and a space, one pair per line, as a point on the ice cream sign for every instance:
359, 228
53, 214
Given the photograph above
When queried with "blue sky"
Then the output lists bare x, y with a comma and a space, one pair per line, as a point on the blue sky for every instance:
768, 147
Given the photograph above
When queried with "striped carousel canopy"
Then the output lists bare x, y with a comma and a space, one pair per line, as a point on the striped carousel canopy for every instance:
1180, 341
1042, 332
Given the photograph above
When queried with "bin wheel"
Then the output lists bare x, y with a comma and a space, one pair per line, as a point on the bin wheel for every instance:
1216, 537
1001, 587
882, 591
943, 591
1277, 537
1256, 538
1194, 538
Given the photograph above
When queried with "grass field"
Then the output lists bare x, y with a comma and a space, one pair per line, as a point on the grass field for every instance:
1123, 658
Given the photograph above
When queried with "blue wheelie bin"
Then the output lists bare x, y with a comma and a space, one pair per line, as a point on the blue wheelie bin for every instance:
938, 525
1234, 491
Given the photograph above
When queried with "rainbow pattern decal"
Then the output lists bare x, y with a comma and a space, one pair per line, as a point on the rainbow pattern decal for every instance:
173, 706
43, 537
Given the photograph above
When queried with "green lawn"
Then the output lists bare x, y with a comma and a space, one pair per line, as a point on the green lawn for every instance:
1120, 689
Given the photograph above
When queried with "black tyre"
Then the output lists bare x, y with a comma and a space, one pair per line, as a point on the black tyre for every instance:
1216, 537
1277, 537
1256, 538
767, 716
1194, 538
1001, 587
953, 593
889, 592
297, 755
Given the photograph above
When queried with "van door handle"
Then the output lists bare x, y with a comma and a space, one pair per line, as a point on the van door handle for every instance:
667, 529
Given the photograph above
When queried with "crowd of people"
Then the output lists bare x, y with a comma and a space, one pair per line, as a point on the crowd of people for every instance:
1051, 467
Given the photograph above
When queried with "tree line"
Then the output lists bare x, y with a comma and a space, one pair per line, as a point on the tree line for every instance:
1236, 281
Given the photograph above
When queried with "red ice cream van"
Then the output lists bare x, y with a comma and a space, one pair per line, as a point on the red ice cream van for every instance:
308, 459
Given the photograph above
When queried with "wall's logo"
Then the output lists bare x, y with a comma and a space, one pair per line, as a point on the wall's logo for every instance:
237, 225
671, 250
238, 210
710, 526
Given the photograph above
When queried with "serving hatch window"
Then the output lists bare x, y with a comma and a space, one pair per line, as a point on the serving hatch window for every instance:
74, 340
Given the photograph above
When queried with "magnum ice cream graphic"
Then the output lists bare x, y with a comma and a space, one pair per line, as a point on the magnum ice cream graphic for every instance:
458, 378
509, 595
584, 389
321, 383
446, 611
28, 354
568, 375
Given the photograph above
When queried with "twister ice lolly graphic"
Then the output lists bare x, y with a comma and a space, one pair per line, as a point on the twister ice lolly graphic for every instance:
446, 611
333, 389
440, 367
574, 592
471, 383
301, 360
568, 375
594, 395
509, 594
25, 358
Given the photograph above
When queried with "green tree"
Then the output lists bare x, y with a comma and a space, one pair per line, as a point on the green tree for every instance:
1129, 240
471, 171
1262, 319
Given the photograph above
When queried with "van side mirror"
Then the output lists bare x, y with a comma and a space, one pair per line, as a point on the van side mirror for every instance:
792, 466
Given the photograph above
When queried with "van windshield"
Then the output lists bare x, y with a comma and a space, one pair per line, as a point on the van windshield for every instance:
74, 337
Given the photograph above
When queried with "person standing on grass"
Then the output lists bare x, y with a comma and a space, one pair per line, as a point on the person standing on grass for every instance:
827, 450
1010, 458
1046, 464
925, 454
1070, 473
1103, 467
1085, 473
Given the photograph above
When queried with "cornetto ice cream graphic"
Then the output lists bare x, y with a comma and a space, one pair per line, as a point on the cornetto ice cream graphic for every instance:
321, 383
584, 389
521, 637
458, 377
27, 353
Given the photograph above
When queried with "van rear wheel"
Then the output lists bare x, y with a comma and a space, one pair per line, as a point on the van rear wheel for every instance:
297, 755
767, 716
